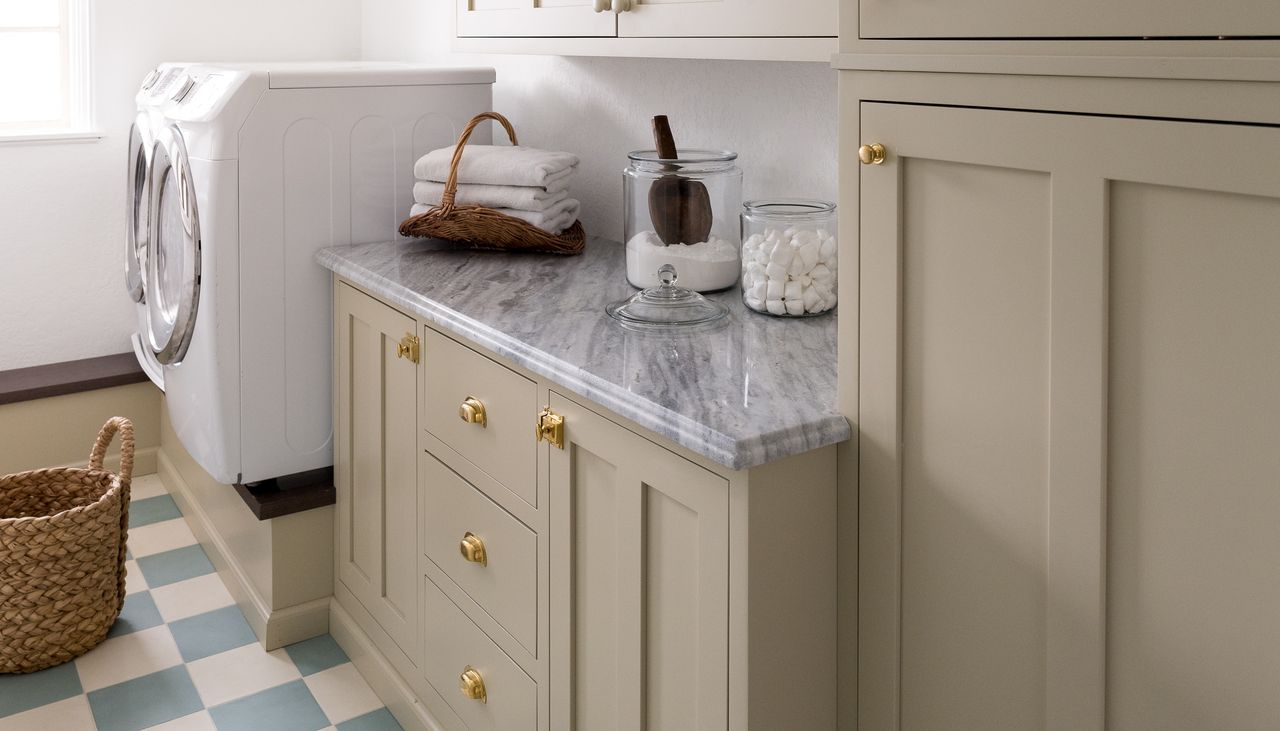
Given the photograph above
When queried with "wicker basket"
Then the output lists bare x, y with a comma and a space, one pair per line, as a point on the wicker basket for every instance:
485, 228
62, 547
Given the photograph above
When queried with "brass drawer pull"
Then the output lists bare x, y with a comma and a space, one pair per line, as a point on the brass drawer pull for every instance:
472, 549
472, 412
472, 685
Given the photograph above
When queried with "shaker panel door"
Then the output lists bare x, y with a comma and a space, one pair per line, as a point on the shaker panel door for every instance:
376, 464
1068, 481
640, 582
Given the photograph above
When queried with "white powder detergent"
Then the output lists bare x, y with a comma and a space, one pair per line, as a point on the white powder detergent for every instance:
704, 267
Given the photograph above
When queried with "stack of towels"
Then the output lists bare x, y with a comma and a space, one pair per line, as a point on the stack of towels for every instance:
522, 182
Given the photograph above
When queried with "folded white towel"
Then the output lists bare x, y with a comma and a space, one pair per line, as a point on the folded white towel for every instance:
497, 165
554, 220
523, 198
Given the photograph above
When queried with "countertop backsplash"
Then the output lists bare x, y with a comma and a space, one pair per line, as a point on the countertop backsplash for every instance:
780, 117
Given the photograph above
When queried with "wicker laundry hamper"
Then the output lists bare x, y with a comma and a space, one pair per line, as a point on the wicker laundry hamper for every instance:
485, 228
62, 546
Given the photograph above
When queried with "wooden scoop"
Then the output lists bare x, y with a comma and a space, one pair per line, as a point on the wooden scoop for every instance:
680, 208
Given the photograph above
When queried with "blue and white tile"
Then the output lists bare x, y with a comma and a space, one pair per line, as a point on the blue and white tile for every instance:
146, 701
127, 657
198, 721
151, 510
182, 658
69, 713
289, 707
134, 581
241, 672
146, 486
159, 537
191, 597
342, 693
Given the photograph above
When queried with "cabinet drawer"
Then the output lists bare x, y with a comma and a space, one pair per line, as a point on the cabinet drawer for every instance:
505, 584
504, 446
452, 644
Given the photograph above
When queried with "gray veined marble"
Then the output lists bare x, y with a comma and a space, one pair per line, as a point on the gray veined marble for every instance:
744, 393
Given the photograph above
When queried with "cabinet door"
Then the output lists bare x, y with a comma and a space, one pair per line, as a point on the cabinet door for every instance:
729, 18
1069, 343
1034, 19
532, 18
376, 464
640, 581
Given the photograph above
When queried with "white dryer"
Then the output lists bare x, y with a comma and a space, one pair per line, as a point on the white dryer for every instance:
238, 173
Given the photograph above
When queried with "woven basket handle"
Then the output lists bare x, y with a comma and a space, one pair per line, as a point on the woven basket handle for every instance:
451, 186
109, 429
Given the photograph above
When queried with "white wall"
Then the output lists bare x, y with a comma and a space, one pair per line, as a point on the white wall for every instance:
62, 205
779, 117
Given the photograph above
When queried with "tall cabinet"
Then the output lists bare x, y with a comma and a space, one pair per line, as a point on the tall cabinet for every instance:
1064, 376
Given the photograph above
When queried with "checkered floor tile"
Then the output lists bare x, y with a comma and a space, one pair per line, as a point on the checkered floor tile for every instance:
182, 658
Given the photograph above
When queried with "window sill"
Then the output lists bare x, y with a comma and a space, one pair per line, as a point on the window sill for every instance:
49, 136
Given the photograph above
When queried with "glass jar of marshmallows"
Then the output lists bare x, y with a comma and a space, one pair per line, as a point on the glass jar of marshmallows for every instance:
789, 256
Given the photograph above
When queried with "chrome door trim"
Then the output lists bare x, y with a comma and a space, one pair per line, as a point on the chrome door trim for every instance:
137, 213
170, 157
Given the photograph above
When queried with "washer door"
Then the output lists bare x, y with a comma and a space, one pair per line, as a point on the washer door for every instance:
173, 263
137, 210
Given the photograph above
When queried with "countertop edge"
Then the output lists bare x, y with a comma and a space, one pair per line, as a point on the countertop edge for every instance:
736, 454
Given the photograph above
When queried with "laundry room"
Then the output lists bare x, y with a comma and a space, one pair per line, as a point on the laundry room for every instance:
284, 284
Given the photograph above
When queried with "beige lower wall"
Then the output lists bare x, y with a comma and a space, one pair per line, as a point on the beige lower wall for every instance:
60, 430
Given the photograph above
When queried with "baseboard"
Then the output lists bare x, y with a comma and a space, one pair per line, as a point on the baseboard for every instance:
274, 628
391, 689
145, 461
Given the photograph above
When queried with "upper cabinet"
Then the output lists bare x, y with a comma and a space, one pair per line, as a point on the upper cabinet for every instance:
1046, 19
728, 18
532, 18
802, 30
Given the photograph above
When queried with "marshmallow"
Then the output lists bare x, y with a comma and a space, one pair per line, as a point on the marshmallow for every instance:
790, 271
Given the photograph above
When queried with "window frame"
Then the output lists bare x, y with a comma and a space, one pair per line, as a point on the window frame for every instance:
75, 24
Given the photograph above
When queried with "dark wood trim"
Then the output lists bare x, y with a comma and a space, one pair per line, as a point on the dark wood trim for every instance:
74, 376
289, 494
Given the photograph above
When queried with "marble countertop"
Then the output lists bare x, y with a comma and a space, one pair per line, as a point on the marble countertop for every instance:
747, 392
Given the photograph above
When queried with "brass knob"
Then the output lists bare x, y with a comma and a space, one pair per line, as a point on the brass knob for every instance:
472, 411
472, 549
408, 347
872, 154
472, 685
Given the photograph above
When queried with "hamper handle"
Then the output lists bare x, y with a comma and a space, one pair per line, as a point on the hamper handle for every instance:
451, 185
109, 429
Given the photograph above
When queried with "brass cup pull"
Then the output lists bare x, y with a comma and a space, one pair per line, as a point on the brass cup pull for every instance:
472, 549
472, 412
872, 154
472, 685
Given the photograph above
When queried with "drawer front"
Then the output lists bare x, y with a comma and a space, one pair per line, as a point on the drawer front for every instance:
505, 445
452, 644
505, 582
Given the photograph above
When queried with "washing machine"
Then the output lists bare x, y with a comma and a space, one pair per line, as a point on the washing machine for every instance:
237, 175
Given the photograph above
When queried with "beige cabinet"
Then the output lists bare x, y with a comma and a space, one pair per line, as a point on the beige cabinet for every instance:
605, 581
728, 18
640, 572
1044, 19
546, 18
375, 465
803, 30
1068, 347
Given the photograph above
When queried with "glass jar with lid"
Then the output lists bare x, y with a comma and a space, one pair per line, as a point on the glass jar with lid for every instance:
683, 212
789, 256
